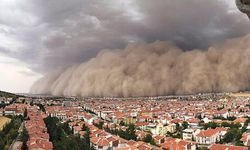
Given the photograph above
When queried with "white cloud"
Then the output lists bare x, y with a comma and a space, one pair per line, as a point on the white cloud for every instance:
15, 76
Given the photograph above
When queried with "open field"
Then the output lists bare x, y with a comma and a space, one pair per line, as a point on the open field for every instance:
240, 94
3, 121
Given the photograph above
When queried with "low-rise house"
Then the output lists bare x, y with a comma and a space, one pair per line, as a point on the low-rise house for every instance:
222, 131
160, 129
19, 112
178, 144
39, 144
113, 141
210, 136
104, 142
187, 134
144, 118
175, 121
133, 145
222, 113
140, 134
171, 127
122, 142
15, 109
77, 129
193, 122
147, 113
207, 120
241, 121
118, 117
152, 128
165, 120
88, 118
227, 147
129, 120
246, 139
190, 133
159, 139
100, 143
10, 110
142, 125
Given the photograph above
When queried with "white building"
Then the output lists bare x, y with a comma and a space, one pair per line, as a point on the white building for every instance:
190, 134
210, 136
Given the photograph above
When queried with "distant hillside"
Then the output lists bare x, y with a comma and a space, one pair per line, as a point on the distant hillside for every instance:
7, 94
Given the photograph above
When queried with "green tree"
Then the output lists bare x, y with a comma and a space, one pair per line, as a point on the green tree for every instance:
149, 139
178, 128
231, 118
122, 123
10, 132
41, 107
99, 125
185, 125
212, 125
86, 139
63, 138
84, 128
92, 147
66, 128
232, 135
247, 121
24, 138
225, 124
25, 113
131, 132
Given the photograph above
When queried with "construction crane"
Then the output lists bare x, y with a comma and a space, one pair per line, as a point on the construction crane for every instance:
244, 6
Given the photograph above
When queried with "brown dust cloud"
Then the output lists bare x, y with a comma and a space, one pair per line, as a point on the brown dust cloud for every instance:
151, 69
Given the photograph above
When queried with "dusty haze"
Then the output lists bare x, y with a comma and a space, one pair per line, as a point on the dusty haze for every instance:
158, 68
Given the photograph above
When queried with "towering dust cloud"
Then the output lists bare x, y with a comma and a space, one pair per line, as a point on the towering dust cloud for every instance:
159, 68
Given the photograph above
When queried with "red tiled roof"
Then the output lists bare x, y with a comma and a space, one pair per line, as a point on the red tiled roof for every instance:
99, 141
207, 133
227, 147
141, 124
240, 120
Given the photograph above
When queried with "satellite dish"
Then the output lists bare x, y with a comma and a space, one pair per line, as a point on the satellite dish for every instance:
244, 6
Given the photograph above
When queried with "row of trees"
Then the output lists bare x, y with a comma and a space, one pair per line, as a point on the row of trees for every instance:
10, 132
230, 118
213, 125
24, 138
63, 138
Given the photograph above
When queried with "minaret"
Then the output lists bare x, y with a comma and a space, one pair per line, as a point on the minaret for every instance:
244, 6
